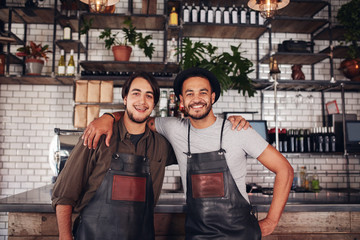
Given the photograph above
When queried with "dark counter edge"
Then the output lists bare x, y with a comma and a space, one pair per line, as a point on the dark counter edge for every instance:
22, 203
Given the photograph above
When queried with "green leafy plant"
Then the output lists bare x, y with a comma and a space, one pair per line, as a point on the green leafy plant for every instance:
348, 16
131, 37
33, 50
231, 69
86, 25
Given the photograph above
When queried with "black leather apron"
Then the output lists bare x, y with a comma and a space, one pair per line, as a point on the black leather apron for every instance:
122, 208
215, 207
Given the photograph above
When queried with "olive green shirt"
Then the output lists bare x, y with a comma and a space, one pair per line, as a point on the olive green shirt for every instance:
85, 169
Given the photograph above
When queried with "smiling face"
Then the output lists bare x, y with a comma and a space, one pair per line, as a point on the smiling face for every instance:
139, 101
197, 97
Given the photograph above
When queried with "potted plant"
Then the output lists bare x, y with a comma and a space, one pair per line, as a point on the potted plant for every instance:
33, 53
121, 48
231, 69
349, 17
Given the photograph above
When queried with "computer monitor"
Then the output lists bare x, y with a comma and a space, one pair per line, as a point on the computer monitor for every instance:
353, 136
260, 127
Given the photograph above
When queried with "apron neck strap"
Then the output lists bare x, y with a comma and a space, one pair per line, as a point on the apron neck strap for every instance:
118, 140
188, 153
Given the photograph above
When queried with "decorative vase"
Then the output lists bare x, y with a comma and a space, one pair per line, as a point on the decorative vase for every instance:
121, 53
34, 66
351, 69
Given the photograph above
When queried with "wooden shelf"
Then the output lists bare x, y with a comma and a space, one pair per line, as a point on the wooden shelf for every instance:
67, 45
296, 58
116, 21
282, 24
36, 80
302, 8
9, 37
73, 22
28, 15
337, 34
238, 31
117, 66
307, 85
338, 51
214, 3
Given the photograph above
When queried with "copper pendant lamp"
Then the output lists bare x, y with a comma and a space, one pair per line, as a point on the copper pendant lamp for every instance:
99, 6
267, 8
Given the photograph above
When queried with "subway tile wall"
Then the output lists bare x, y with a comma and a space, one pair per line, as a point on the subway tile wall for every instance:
29, 113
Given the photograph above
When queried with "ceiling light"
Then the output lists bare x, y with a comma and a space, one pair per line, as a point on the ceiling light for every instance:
99, 6
267, 8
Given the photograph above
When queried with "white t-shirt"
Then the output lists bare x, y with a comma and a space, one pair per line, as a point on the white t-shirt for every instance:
237, 145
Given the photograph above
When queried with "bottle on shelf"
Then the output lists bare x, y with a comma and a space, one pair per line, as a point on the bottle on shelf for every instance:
67, 32
218, 14
252, 16
173, 20
320, 140
194, 13
301, 141
234, 15
315, 186
326, 135
61, 64
261, 19
202, 13
332, 140
163, 102
186, 14
226, 16
314, 145
242, 15
285, 141
292, 140
210, 15
303, 177
172, 105
172, 52
70, 70
307, 140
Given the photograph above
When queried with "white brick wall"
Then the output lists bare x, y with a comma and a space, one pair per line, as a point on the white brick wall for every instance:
29, 113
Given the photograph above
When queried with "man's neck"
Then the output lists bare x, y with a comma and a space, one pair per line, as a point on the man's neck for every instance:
205, 122
133, 127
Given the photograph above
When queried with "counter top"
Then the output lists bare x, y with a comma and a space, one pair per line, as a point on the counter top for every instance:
335, 200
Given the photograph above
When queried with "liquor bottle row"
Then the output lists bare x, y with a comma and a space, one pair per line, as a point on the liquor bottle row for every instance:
319, 139
169, 106
122, 74
235, 15
69, 69
305, 181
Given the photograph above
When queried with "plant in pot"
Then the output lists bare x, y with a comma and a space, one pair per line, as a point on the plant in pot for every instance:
121, 48
231, 69
33, 53
349, 17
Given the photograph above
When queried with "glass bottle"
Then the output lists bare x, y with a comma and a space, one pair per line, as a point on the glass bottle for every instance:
163, 103
303, 177
315, 186
61, 64
186, 13
326, 139
210, 15
218, 15
332, 140
172, 53
202, 14
67, 32
226, 15
252, 16
70, 70
242, 15
194, 13
173, 21
234, 15
172, 105
320, 140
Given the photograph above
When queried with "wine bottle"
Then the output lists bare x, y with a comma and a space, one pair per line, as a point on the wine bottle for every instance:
226, 15
67, 32
320, 140
315, 186
242, 15
210, 15
194, 13
186, 14
332, 140
261, 19
217, 15
202, 14
172, 52
252, 17
326, 140
234, 15
70, 70
173, 21
61, 64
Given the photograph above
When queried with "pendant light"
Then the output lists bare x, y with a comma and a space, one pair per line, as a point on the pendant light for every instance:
267, 8
99, 6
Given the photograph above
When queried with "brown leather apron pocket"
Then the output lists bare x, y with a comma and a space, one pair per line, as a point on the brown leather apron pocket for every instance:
128, 188
207, 185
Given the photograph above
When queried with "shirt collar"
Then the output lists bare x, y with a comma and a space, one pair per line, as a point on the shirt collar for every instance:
123, 131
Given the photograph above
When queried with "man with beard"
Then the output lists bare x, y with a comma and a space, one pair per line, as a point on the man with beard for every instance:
115, 188
212, 162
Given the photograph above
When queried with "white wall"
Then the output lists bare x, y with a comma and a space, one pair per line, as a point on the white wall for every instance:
29, 113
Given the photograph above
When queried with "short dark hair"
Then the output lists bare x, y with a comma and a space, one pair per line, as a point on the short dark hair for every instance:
149, 78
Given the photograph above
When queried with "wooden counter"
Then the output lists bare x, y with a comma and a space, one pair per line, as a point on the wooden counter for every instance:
325, 215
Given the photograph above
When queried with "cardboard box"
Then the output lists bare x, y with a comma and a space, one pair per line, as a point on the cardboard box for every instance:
106, 91
93, 95
92, 113
80, 116
81, 91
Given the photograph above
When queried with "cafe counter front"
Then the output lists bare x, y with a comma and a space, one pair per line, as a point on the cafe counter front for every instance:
329, 214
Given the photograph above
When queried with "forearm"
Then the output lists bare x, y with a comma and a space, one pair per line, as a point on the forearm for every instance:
63, 216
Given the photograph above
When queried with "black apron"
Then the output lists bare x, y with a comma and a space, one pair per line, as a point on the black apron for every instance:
215, 207
123, 206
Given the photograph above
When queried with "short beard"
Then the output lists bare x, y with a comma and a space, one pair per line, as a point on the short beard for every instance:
208, 109
131, 117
